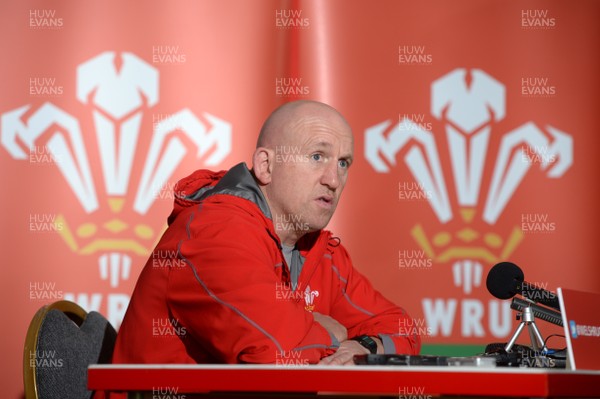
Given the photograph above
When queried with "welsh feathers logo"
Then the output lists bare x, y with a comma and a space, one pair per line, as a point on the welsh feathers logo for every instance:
469, 105
114, 199
309, 298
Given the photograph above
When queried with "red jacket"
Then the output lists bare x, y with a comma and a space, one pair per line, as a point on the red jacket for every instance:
216, 289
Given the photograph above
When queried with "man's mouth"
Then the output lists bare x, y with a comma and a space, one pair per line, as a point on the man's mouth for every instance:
325, 201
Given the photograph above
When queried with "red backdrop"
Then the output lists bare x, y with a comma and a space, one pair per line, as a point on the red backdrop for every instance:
474, 142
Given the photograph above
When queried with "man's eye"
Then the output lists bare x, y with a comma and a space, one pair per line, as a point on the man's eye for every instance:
316, 157
344, 164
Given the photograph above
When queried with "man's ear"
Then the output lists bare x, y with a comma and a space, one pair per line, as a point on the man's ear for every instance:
262, 164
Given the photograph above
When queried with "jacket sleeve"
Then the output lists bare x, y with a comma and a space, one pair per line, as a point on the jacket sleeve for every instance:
231, 300
365, 311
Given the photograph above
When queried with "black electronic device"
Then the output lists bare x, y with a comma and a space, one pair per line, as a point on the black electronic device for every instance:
506, 280
401, 360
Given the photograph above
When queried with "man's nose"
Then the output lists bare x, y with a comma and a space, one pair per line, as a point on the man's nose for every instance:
330, 177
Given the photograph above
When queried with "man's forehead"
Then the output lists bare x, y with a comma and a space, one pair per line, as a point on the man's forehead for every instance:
327, 141
310, 126
294, 121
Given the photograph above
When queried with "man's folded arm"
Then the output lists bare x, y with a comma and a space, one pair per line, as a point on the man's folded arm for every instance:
231, 302
365, 311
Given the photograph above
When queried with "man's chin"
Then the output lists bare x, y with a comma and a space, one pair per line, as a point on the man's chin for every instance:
318, 225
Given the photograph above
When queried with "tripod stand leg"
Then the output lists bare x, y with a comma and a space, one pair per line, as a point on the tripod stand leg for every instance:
537, 342
513, 339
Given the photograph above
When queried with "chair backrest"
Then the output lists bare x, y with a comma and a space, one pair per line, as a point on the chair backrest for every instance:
62, 340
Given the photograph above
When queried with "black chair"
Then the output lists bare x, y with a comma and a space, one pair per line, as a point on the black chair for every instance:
62, 340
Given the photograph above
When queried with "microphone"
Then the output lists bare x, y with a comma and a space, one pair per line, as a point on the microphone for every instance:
540, 312
506, 279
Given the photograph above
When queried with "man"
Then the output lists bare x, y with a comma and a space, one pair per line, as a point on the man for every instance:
251, 276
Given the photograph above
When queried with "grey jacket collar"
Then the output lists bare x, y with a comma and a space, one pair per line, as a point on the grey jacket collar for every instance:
239, 182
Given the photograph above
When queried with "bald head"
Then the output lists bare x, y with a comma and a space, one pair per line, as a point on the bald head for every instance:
301, 163
289, 120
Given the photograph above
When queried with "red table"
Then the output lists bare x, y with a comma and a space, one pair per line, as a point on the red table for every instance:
399, 382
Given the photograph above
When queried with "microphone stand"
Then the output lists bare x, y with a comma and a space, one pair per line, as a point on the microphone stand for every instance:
528, 319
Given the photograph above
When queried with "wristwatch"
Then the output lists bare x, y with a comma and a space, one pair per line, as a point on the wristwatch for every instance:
367, 342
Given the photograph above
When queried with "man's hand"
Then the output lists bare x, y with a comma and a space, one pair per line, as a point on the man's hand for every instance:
345, 353
332, 326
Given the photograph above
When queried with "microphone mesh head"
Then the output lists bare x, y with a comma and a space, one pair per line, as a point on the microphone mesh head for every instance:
504, 279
